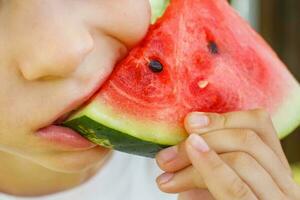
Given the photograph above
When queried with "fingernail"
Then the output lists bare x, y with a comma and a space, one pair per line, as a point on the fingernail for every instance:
198, 143
198, 120
165, 178
167, 154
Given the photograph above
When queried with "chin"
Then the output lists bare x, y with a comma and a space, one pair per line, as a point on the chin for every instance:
75, 162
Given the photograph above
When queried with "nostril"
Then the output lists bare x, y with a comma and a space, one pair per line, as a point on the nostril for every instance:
49, 78
34, 73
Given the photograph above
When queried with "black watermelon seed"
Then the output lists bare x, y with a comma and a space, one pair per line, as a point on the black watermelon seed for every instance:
155, 66
213, 47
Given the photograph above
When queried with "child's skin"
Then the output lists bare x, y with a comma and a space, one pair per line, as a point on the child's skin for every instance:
231, 156
55, 54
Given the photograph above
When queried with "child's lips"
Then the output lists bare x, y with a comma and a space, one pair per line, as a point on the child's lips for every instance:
63, 118
65, 137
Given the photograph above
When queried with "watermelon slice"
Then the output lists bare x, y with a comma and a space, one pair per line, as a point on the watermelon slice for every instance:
200, 56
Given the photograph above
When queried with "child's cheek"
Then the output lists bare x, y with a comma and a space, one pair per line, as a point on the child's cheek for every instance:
127, 21
53, 57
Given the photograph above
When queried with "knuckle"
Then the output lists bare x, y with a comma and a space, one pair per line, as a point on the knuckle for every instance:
159, 164
165, 188
167, 167
196, 180
217, 165
261, 114
228, 157
248, 138
222, 120
238, 189
239, 159
162, 165
291, 189
264, 123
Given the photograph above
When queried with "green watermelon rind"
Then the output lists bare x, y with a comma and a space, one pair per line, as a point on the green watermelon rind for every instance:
111, 128
107, 127
152, 131
114, 139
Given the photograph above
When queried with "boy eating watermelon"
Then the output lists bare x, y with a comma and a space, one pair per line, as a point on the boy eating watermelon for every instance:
54, 56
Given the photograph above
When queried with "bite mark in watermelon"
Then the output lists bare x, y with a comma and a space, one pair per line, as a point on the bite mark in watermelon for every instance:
211, 61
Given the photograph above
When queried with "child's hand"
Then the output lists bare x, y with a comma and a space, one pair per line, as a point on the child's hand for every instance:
237, 156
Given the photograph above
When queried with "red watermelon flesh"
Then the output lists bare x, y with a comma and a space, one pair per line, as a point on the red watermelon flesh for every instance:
212, 61
242, 73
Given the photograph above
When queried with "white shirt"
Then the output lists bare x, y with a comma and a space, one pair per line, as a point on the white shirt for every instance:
123, 177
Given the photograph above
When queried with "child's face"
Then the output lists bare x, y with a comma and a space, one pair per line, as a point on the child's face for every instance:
53, 56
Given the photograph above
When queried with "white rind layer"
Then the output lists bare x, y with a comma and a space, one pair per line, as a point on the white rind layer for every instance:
287, 118
151, 131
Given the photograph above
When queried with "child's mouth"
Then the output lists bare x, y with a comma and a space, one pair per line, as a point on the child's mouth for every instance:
63, 137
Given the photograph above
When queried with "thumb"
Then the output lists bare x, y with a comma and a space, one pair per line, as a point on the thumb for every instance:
256, 120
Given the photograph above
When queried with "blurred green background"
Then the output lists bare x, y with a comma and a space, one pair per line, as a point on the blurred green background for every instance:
278, 21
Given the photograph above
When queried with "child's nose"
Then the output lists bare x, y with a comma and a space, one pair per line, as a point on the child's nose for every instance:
54, 60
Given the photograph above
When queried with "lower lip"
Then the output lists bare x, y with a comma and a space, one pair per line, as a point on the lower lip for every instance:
65, 137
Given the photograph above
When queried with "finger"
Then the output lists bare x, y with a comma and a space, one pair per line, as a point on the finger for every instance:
196, 194
239, 140
213, 122
247, 141
220, 179
181, 181
173, 158
256, 177
257, 120
244, 165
